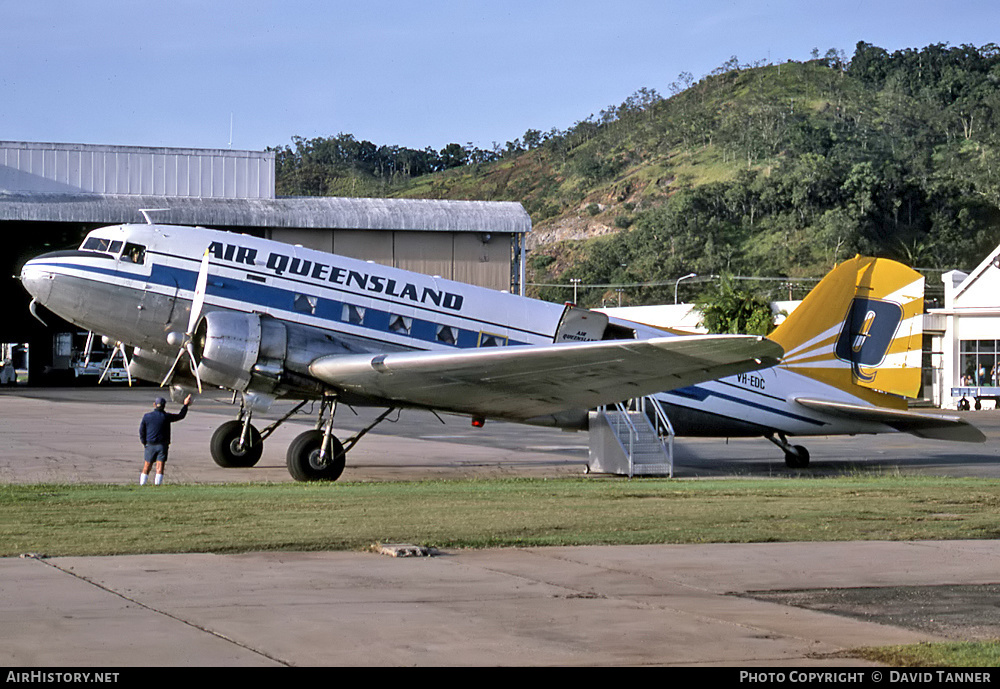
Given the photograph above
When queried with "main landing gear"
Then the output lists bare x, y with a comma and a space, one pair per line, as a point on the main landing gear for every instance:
315, 455
796, 456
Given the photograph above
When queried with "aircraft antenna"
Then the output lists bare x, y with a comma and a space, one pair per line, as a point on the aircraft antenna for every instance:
146, 211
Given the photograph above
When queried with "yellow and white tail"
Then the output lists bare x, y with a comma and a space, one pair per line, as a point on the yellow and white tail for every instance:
860, 329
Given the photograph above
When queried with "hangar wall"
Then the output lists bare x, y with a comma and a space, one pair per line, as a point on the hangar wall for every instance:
477, 258
135, 170
85, 186
52, 194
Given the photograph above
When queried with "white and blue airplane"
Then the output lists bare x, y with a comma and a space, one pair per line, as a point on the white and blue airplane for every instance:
269, 320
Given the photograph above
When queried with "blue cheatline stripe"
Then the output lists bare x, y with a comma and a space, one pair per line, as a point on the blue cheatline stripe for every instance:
190, 278
281, 299
698, 393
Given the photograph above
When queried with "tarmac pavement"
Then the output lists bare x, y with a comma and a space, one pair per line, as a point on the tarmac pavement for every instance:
627, 605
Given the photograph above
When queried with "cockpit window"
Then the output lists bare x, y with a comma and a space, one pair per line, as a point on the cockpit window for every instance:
136, 253
107, 246
133, 253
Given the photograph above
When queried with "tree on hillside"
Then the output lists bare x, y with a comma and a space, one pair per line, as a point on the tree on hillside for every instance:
728, 310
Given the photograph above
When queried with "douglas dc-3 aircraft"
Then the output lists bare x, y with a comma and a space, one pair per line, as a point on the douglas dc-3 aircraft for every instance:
268, 320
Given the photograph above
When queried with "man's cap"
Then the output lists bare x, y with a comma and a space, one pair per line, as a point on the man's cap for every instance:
160, 402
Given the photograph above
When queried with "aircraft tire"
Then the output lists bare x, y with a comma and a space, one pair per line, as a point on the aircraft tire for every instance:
797, 458
303, 458
225, 446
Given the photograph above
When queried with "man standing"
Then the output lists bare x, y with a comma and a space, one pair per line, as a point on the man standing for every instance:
154, 432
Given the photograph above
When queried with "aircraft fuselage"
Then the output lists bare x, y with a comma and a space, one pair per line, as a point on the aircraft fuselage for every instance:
134, 284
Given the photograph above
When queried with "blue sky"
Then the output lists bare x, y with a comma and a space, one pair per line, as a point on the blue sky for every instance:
410, 73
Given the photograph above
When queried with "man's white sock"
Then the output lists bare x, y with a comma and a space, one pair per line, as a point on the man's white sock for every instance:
142, 479
158, 480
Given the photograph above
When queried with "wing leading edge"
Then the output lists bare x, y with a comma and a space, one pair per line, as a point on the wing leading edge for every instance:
937, 427
521, 383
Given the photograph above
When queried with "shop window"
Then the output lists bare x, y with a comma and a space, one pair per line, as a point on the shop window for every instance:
979, 362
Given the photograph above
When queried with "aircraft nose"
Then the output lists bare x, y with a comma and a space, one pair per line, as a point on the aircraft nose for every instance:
37, 280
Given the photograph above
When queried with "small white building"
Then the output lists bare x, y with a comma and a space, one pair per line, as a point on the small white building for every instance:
966, 336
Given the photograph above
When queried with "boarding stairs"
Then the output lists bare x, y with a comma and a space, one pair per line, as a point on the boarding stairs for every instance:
634, 438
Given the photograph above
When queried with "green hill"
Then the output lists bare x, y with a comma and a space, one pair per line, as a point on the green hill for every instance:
755, 170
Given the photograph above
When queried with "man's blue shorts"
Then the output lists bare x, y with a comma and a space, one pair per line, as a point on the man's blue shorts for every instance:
155, 453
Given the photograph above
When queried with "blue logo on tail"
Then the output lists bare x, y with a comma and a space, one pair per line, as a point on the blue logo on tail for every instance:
868, 331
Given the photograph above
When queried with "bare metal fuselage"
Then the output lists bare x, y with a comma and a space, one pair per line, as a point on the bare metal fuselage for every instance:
314, 298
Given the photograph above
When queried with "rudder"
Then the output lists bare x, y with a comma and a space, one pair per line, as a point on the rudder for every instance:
861, 326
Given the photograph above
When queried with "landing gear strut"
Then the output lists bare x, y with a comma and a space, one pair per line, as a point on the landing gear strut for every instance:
315, 455
796, 456
236, 444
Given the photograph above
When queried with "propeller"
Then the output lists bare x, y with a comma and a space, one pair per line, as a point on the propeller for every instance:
119, 347
185, 341
88, 349
32, 307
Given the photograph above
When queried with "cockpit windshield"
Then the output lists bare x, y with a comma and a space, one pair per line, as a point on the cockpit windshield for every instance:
134, 253
105, 246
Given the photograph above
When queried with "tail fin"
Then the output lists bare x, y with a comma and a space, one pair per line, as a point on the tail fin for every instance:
860, 327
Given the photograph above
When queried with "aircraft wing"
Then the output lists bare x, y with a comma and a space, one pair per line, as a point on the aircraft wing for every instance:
934, 426
520, 383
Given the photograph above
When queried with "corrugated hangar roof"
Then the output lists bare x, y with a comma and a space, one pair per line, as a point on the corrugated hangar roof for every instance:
298, 212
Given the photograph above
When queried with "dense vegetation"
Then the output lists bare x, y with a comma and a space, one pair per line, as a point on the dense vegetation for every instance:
755, 170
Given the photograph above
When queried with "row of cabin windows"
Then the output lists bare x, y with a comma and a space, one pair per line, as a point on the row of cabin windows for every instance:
400, 325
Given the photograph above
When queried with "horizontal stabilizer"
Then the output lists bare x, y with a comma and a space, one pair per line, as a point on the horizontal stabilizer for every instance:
520, 383
934, 426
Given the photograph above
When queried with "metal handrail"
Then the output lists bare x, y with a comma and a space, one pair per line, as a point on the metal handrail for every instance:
622, 418
664, 420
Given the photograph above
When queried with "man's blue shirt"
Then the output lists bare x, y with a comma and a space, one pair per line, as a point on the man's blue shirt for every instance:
155, 426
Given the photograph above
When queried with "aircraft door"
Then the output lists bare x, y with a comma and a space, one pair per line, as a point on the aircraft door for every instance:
134, 266
580, 325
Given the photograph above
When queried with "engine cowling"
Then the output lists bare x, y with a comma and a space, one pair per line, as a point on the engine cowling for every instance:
240, 350
152, 366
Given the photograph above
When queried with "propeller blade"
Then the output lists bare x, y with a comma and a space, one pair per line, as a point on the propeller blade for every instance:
107, 367
197, 303
170, 373
201, 286
120, 347
88, 349
32, 306
194, 363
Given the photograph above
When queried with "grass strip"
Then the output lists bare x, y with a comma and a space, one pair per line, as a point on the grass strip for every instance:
959, 654
113, 519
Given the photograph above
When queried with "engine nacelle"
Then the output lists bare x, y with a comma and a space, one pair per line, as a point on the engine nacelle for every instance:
235, 350
152, 366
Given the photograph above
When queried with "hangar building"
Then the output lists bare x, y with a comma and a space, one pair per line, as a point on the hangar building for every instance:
51, 195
